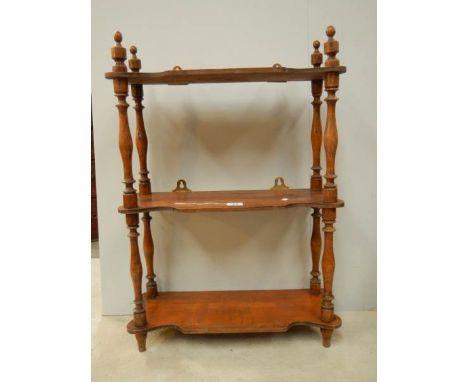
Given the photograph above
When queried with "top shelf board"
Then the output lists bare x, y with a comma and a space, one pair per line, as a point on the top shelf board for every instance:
203, 76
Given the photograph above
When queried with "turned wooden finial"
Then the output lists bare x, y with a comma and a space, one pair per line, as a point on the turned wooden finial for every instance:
119, 54
316, 58
134, 63
331, 48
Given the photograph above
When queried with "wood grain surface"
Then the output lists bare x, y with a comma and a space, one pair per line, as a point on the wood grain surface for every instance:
234, 311
239, 200
198, 76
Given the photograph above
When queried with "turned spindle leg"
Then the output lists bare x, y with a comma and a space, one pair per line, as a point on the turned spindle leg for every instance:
330, 190
316, 130
141, 140
136, 272
144, 183
148, 250
328, 264
326, 336
315, 248
119, 55
125, 139
316, 178
331, 132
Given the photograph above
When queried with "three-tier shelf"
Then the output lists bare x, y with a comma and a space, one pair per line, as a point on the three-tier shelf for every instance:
231, 311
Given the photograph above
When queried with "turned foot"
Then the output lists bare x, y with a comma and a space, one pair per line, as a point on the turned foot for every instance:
326, 336
141, 339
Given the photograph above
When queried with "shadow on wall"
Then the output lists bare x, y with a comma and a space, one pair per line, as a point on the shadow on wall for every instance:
221, 127
258, 250
218, 232
228, 144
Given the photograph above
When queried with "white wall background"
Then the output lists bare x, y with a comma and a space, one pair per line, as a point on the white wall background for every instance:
238, 136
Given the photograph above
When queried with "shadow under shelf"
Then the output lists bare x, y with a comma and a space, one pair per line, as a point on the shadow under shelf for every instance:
240, 200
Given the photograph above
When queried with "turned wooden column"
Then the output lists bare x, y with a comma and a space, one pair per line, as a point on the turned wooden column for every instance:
144, 183
316, 130
119, 55
316, 178
148, 250
136, 272
328, 264
141, 140
315, 248
330, 141
331, 48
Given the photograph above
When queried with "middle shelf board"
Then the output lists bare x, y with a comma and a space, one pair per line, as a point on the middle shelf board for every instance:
241, 200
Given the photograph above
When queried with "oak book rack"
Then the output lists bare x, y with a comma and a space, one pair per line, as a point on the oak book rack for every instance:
231, 311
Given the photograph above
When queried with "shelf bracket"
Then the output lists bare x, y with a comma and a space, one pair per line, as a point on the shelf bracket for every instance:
181, 186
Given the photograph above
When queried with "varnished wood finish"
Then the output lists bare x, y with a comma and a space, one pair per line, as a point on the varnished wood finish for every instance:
119, 55
231, 311
136, 270
148, 250
316, 178
234, 311
125, 145
240, 200
315, 248
141, 140
328, 264
331, 132
144, 183
200, 76
141, 340
316, 130
326, 336
330, 191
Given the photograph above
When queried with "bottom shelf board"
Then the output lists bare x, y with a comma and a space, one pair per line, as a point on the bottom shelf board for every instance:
234, 311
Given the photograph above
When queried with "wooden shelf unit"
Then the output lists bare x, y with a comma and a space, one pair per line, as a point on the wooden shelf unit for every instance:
231, 311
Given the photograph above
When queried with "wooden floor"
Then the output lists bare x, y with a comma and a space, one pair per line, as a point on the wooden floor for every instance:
234, 311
